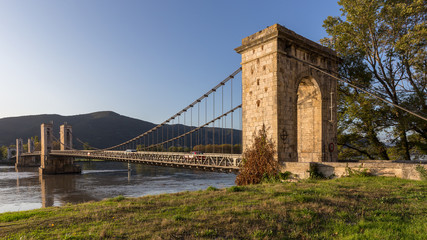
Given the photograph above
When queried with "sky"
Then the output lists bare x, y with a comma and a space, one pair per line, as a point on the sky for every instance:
143, 59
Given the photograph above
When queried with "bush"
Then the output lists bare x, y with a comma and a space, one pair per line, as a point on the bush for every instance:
315, 173
258, 161
210, 188
278, 178
422, 171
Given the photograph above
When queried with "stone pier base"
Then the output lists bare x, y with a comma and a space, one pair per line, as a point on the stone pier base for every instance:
405, 170
28, 161
59, 165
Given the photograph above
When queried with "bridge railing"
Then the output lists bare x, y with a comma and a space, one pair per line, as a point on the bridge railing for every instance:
227, 162
35, 153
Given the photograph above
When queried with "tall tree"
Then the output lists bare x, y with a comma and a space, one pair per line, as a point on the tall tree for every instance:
390, 38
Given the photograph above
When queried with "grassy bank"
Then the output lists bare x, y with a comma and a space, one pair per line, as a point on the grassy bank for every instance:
346, 208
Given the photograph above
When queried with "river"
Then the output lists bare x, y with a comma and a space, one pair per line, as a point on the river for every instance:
24, 189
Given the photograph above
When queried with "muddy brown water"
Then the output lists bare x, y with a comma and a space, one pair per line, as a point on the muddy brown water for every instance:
23, 189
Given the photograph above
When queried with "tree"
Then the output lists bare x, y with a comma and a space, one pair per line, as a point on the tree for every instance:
86, 146
388, 37
3, 152
361, 117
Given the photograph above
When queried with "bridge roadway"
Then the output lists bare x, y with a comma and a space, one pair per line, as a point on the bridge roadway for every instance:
207, 162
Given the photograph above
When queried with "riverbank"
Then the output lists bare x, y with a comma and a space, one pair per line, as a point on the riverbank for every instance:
356, 207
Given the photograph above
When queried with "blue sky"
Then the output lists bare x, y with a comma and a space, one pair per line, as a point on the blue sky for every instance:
143, 59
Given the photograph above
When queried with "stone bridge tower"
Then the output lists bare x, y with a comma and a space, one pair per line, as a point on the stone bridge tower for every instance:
52, 163
30, 144
46, 139
23, 160
296, 103
19, 151
66, 137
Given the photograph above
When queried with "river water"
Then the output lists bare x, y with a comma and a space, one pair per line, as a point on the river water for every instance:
24, 189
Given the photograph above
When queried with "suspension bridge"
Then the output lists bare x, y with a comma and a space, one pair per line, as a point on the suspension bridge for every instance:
279, 88
196, 125
288, 84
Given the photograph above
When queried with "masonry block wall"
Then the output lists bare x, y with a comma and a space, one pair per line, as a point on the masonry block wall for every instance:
19, 149
46, 139
66, 137
30, 145
290, 98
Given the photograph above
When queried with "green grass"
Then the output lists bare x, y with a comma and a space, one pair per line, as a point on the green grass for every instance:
345, 208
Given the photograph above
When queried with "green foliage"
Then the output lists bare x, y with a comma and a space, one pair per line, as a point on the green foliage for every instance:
382, 44
259, 160
262, 234
235, 189
178, 218
280, 177
357, 172
178, 149
140, 147
117, 199
219, 148
36, 141
422, 171
15, 216
3, 152
315, 173
211, 189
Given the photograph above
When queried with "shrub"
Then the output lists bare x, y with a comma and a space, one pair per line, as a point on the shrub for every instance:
315, 173
422, 171
277, 178
259, 160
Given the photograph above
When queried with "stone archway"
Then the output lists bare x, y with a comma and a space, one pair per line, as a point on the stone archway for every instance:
277, 93
309, 121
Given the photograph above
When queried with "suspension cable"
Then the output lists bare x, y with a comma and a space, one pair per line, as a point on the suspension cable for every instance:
231, 104
183, 110
356, 87
198, 128
56, 139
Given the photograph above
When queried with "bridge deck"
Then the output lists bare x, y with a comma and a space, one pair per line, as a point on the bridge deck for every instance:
211, 162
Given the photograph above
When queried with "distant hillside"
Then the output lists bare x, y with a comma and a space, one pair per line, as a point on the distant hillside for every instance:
99, 129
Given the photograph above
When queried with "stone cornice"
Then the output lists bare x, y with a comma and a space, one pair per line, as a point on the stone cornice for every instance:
279, 32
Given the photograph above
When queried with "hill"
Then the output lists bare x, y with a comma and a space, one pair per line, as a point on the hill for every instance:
99, 129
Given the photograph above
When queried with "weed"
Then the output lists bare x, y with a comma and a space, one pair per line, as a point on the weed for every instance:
117, 199
276, 178
210, 188
235, 189
178, 218
209, 233
262, 234
358, 173
422, 171
315, 173
285, 175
